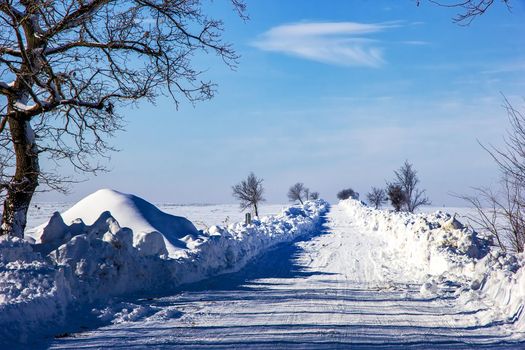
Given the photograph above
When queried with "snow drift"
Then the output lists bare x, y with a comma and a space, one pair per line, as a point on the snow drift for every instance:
154, 232
444, 256
117, 244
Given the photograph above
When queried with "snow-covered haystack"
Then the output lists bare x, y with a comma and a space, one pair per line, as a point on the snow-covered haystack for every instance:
443, 255
97, 256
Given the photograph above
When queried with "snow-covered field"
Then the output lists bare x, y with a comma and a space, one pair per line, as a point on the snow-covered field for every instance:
202, 215
367, 278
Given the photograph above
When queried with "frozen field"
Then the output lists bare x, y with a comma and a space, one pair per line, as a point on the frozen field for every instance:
202, 215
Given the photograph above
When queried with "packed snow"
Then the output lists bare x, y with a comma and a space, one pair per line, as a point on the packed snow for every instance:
358, 283
448, 259
114, 244
369, 277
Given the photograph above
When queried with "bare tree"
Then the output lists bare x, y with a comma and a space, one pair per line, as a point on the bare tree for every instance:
511, 157
66, 66
377, 197
249, 192
314, 196
407, 179
397, 196
469, 9
298, 192
501, 212
347, 193
307, 193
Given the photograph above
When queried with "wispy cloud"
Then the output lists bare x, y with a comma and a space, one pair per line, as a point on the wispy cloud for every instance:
340, 43
415, 42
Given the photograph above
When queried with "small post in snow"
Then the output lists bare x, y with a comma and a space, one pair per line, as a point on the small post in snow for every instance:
248, 219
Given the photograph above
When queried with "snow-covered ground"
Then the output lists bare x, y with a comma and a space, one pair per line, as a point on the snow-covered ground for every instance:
368, 278
203, 216
347, 287
87, 255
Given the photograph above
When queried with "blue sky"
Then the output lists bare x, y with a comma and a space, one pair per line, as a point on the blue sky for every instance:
333, 94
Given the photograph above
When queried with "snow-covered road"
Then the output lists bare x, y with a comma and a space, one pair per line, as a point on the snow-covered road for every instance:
337, 289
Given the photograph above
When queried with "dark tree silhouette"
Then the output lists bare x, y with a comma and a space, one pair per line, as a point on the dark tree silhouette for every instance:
376, 197
66, 66
249, 192
469, 9
407, 179
397, 196
314, 196
298, 192
347, 193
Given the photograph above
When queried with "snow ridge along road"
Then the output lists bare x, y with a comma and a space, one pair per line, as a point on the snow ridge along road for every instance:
50, 282
340, 288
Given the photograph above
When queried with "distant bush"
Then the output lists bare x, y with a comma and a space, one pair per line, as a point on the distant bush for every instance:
314, 196
397, 196
348, 193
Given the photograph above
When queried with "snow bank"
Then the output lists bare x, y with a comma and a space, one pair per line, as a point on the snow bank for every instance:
138, 250
445, 256
154, 232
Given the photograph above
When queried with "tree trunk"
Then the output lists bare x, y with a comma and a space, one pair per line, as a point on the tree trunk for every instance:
255, 208
22, 186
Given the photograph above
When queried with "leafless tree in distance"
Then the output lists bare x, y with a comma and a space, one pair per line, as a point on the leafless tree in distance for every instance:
307, 193
249, 192
396, 195
469, 9
66, 66
406, 177
377, 197
298, 192
314, 196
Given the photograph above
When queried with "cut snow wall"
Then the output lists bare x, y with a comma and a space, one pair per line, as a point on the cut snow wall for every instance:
441, 252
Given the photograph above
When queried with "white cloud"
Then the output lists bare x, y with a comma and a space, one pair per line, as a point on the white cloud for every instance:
341, 43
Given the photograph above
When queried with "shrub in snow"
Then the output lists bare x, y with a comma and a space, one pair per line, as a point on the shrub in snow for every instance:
397, 196
347, 193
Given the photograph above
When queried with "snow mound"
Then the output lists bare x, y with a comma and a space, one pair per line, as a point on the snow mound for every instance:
444, 256
82, 264
154, 232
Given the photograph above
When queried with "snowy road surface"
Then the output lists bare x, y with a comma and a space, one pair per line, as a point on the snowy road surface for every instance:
337, 289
